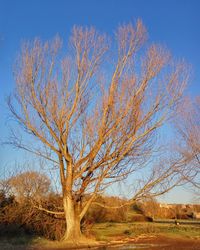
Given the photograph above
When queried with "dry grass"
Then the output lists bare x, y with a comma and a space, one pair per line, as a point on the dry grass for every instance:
108, 231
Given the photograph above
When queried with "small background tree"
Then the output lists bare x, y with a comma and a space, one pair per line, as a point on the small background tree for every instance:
30, 185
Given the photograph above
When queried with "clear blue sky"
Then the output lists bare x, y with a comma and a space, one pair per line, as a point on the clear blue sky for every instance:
175, 23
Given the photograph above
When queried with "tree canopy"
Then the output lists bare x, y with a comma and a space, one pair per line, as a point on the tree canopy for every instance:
95, 107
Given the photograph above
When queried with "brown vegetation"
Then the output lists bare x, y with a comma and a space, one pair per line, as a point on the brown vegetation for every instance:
20, 213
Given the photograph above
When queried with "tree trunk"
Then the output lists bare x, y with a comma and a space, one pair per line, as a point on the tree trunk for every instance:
73, 225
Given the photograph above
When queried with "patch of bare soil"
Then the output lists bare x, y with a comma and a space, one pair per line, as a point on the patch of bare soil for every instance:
165, 243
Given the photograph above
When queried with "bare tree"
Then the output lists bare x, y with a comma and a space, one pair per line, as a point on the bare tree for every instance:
95, 111
188, 124
29, 185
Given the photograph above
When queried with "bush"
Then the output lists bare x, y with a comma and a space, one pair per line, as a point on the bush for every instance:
11, 230
182, 216
139, 218
17, 218
97, 214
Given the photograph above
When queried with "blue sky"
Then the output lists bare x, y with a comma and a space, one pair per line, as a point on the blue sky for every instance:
175, 23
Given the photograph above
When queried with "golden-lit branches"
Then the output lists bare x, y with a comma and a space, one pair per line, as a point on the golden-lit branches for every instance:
97, 116
188, 125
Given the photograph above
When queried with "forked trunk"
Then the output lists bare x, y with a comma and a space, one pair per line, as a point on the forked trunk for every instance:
73, 229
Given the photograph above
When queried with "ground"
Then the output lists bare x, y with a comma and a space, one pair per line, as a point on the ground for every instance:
170, 243
120, 236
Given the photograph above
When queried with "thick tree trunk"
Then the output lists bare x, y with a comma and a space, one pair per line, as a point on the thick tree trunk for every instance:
73, 225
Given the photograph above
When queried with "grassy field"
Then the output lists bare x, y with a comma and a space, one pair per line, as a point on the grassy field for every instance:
108, 231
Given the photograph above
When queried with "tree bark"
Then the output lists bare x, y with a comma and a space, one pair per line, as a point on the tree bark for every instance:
73, 222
